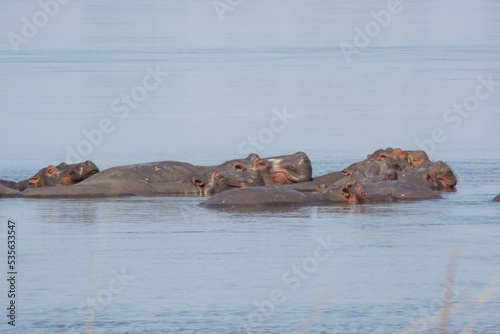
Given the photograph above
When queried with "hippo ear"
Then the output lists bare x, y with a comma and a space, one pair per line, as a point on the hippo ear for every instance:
33, 180
62, 165
260, 164
346, 172
252, 156
51, 170
199, 183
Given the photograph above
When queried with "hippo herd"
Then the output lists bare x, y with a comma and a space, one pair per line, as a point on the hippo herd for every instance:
387, 175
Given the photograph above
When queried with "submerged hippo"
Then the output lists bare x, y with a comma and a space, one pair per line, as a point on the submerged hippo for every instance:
281, 196
165, 178
496, 199
395, 190
389, 164
277, 196
169, 178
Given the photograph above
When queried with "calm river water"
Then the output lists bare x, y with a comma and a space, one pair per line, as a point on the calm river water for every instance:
121, 82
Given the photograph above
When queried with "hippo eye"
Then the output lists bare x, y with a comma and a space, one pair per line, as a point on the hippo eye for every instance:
239, 168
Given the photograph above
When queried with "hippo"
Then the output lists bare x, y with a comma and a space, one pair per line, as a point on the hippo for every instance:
282, 196
416, 158
388, 164
406, 159
396, 190
166, 178
287, 169
319, 182
62, 174
496, 199
152, 179
438, 173
21, 185
8, 184
371, 171
7, 191
277, 196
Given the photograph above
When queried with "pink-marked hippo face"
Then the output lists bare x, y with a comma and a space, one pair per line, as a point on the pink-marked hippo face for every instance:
45, 177
445, 174
287, 169
63, 174
439, 174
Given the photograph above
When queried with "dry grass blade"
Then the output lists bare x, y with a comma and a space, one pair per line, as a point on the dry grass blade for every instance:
316, 312
448, 293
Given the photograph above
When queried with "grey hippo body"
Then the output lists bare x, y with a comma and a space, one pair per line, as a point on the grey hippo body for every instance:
496, 199
173, 178
282, 196
164, 178
384, 165
273, 197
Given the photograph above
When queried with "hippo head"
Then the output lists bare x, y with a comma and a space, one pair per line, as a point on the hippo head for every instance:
371, 171
416, 158
240, 165
286, 169
218, 182
439, 174
346, 194
63, 174
395, 154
